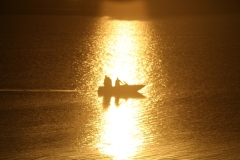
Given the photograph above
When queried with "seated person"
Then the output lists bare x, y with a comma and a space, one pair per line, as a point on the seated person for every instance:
107, 82
117, 82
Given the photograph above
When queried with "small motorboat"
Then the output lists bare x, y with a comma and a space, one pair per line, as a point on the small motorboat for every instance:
119, 90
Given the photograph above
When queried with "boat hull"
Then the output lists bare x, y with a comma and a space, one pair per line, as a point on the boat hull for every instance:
121, 90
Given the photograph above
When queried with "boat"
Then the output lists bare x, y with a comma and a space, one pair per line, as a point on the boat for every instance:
120, 90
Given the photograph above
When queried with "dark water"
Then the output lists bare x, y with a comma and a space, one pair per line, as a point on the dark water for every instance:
51, 67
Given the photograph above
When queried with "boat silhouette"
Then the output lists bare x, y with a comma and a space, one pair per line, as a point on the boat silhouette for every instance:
122, 90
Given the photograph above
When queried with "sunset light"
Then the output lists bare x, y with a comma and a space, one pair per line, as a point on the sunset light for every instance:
119, 79
122, 54
120, 135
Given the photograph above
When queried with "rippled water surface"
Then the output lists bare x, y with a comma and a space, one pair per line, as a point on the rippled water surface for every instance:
51, 67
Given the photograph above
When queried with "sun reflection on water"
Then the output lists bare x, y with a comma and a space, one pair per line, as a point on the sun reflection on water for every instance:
120, 133
122, 55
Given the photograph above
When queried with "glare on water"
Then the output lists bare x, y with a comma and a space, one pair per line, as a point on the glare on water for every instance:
122, 55
191, 93
122, 51
162, 124
120, 136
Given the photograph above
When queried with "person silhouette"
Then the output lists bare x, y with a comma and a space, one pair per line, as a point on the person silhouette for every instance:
117, 82
107, 81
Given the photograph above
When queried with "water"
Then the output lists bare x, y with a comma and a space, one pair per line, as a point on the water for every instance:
51, 67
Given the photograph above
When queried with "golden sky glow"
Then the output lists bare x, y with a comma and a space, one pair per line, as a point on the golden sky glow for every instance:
125, 9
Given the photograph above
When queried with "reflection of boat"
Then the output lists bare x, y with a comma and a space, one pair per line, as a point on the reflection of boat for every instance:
123, 90
107, 97
133, 95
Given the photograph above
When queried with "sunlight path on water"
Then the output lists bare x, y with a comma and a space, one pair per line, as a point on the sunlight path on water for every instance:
122, 54
123, 51
120, 136
120, 49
